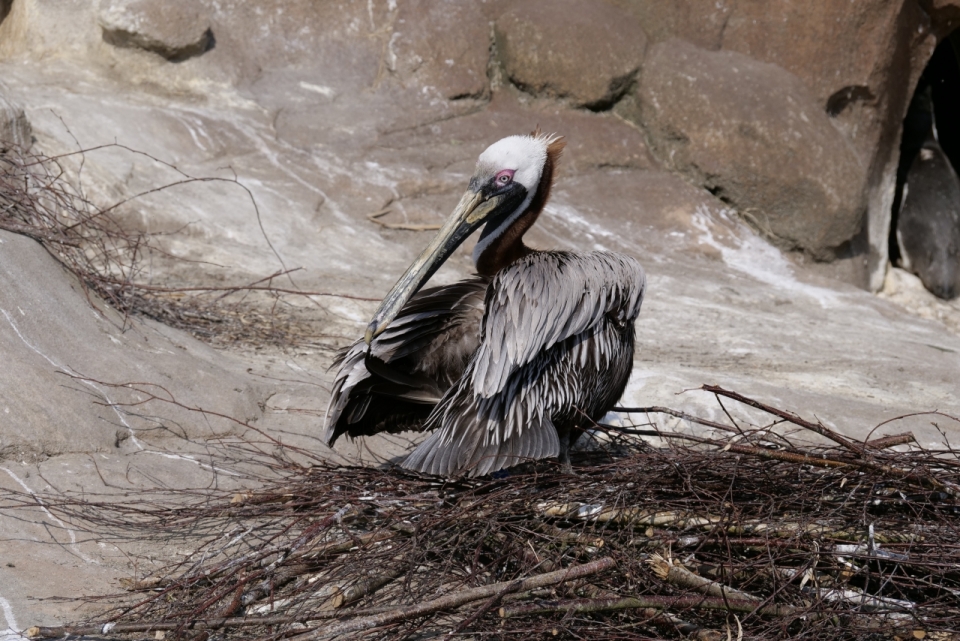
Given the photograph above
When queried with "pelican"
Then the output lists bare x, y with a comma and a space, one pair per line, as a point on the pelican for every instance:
510, 365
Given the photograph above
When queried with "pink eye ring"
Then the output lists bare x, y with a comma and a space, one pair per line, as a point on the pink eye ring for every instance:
504, 177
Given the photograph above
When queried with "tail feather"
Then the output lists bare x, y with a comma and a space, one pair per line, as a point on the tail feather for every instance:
452, 450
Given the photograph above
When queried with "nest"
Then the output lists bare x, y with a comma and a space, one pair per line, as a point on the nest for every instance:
753, 535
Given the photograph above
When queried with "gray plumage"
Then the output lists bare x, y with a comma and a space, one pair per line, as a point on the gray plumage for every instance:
551, 352
555, 353
415, 360
510, 365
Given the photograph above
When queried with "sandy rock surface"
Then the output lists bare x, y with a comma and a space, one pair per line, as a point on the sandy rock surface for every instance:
311, 117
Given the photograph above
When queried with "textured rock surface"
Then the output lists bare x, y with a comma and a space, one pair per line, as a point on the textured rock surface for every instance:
330, 111
859, 60
441, 45
750, 133
587, 52
175, 30
61, 357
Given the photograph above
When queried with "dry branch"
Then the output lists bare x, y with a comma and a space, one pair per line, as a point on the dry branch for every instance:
57, 632
684, 578
585, 606
376, 216
455, 600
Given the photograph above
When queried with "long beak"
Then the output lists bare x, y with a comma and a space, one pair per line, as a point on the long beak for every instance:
469, 214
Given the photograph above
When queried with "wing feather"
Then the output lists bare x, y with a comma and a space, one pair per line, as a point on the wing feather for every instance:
393, 384
547, 329
545, 298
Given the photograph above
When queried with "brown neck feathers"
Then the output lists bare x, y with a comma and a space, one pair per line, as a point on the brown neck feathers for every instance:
509, 247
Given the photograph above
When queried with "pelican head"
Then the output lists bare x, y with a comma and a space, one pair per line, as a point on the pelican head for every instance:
508, 177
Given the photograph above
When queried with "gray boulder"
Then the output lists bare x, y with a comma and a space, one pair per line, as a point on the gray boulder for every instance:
441, 45
752, 134
175, 29
66, 365
587, 52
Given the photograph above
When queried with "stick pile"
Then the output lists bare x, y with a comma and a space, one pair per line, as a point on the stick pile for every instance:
695, 540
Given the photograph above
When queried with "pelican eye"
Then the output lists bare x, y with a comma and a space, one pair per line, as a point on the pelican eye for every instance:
504, 178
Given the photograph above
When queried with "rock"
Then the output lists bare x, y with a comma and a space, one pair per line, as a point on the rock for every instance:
593, 139
442, 45
906, 290
176, 30
859, 61
928, 227
751, 133
701, 22
945, 15
587, 52
14, 126
62, 357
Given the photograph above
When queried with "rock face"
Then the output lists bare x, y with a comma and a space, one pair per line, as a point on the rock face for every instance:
62, 359
928, 229
587, 52
176, 30
858, 60
751, 134
442, 45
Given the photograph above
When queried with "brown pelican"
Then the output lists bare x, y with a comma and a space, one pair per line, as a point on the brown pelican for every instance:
512, 364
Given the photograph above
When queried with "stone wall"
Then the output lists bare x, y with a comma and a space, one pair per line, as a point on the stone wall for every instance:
789, 112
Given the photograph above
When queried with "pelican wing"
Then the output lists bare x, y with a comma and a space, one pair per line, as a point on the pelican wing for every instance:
394, 383
557, 340
546, 298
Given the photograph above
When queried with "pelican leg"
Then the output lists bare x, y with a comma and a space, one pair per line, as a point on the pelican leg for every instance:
564, 458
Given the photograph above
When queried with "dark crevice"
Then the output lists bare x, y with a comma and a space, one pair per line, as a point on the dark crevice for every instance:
936, 101
5, 6
619, 87
840, 100
717, 192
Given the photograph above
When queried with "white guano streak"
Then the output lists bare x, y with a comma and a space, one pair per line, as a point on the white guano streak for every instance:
106, 397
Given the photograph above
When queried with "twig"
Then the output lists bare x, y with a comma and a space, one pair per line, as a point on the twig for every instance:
450, 601
819, 428
366, 587
884, 442
867, 602
684, 578
54, 632
585, 606
909, 476
375, 218
655, 409
628, 515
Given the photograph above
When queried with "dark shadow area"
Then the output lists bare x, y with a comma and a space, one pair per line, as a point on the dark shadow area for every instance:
931, 127
937, 98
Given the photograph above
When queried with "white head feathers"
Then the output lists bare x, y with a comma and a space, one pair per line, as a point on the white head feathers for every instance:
525, 155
